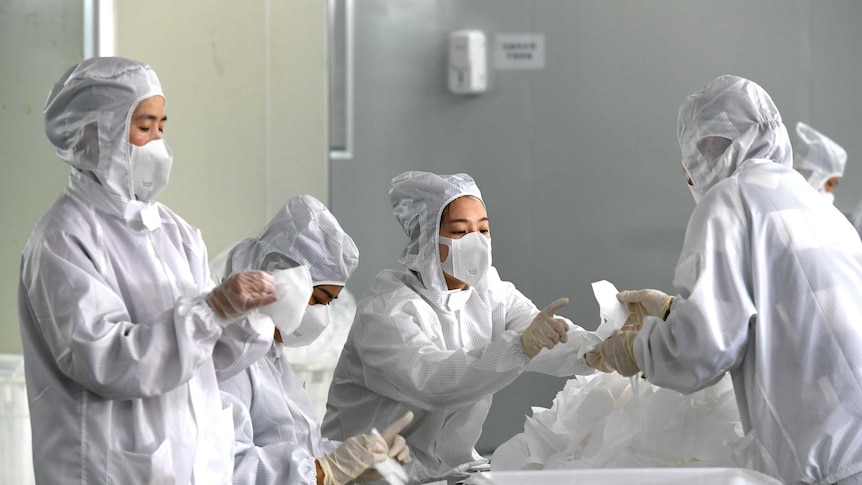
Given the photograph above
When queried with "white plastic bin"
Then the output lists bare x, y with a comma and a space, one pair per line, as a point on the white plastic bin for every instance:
16, 454
627, 476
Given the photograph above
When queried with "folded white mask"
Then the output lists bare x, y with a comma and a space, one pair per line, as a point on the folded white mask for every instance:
293, 289
151, 168
469, 257
314, 322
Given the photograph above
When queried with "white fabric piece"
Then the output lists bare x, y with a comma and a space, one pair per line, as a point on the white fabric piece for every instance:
293, 288
409, 350
120, 345
817, 157
277, 429
612, 312
305, 231
610, 421
768, 284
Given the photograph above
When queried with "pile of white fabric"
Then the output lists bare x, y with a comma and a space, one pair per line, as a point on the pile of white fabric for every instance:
609, 421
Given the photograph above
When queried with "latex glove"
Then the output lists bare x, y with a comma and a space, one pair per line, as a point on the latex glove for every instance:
398, 449
616, 353
645, 302
545, 331
240, 294
594, 359
356, 455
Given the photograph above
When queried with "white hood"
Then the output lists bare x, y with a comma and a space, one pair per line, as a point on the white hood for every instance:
418, 200
736, 109
87, 117
305, 231
817, 157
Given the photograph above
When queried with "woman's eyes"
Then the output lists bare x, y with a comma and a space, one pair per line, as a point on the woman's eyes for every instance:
464, 233
146, 129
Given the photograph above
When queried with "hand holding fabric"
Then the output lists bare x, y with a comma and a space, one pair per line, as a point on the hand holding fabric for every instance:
545, 331
240, 294
398, 448
356, 455
595, 360
616, 353
645, 302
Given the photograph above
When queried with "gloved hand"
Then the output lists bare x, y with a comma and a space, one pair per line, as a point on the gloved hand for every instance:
240, 294
545, 330
355, 457
645, 302
594, 359
398, 449
616, 353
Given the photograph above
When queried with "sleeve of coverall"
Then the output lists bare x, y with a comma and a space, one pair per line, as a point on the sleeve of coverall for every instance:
411, 365
87, 327
563, 359
239, 345
282, 463
707, 329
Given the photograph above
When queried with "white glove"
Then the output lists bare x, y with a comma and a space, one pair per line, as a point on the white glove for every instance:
545, 331
240, 294
354, 459
645, 302
616, 353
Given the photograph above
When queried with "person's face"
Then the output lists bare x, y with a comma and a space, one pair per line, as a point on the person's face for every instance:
320, 295
830, 184
463, 216
148, 121
324, 294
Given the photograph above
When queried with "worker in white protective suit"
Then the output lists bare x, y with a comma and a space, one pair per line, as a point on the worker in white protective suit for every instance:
768, 290
819, 159
119, 317
441, 337
277, 431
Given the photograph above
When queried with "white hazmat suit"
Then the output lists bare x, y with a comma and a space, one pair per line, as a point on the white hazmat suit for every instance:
277, 430
768, 284
120, 344
415, 345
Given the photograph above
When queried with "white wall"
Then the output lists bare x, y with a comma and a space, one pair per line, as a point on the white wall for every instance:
38, 41
246, 101
245, 84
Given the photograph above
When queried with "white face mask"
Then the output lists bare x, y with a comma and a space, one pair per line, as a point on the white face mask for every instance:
830, 197
293, 289
314, 322
151, 167
469, 257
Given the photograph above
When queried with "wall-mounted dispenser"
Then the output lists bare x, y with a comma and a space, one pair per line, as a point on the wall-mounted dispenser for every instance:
468, 62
